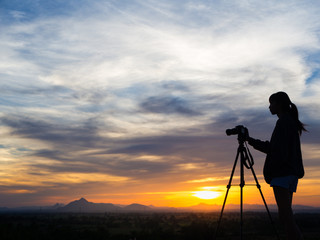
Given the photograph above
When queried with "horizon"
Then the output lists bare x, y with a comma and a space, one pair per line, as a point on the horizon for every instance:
128, 101
198, 207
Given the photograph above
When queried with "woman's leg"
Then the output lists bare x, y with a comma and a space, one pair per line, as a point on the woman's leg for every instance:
284, 201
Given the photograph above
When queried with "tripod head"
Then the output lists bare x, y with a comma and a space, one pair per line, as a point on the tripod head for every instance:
243, 135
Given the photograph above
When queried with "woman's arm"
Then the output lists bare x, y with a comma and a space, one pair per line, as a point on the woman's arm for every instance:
262, 146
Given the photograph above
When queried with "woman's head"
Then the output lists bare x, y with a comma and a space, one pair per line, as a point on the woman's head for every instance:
281, 103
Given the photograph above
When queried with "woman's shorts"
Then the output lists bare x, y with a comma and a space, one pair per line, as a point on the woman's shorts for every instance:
288, 182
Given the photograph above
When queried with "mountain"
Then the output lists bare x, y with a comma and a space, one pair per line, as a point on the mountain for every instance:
135, 207
57, 205
82, 205
164, 209
303, 208
4, 209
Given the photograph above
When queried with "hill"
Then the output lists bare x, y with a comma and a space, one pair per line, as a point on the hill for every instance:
82, 205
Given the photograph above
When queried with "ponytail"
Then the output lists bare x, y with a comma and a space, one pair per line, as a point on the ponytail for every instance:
295, 114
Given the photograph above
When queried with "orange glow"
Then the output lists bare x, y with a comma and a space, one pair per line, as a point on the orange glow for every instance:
188, 193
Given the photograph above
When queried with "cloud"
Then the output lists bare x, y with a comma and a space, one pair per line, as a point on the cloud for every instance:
167, 105
140, 89
30, 128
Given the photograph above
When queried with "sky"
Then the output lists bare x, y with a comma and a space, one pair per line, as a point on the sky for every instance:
124, 102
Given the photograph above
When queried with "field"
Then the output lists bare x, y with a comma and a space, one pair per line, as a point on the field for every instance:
147, 226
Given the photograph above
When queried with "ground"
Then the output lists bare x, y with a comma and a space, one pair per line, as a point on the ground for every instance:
148, 226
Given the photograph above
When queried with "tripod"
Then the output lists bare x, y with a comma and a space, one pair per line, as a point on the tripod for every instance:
246, 160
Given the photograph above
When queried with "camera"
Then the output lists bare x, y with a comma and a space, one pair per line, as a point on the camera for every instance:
240, 130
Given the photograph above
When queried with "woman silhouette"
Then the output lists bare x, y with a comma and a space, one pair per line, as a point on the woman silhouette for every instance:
283, 165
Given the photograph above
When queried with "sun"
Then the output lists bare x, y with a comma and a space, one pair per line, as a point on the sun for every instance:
206, 194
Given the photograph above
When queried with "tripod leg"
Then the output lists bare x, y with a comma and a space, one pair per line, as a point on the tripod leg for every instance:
242, 183
228, 188
265, 203
241, 211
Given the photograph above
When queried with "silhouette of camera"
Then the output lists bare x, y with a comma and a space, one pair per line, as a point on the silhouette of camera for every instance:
239, 130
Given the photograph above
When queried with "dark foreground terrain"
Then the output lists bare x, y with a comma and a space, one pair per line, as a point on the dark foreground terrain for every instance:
146, 226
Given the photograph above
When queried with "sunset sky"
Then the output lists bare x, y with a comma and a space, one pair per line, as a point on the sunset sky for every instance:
127, 101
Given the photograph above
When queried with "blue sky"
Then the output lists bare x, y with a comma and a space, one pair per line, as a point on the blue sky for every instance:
97, 96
